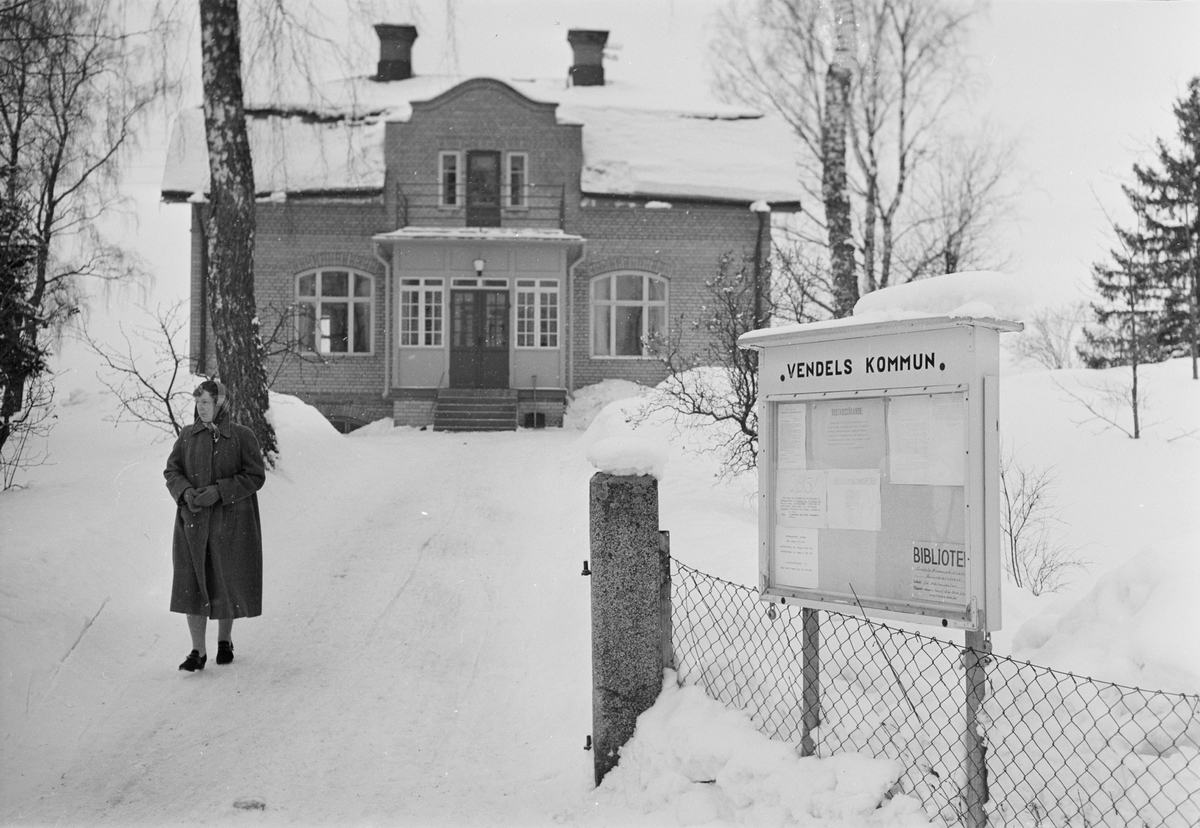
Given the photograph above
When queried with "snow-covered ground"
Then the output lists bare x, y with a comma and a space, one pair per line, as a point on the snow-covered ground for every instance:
423, 657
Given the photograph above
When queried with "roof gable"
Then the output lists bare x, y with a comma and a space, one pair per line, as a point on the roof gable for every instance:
477, 93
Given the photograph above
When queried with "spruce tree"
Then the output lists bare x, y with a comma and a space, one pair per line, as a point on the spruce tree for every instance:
1170, 198
1148, 306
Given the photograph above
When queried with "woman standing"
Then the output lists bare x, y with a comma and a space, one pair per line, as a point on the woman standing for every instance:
213, 473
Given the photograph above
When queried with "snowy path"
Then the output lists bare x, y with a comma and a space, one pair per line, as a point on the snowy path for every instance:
408, 665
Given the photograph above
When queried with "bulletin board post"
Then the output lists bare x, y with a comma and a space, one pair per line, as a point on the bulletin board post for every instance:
879, 486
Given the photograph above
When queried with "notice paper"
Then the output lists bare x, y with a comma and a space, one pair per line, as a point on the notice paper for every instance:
939, 572
927, 441
795, 561
800, 498
791, 427
853, 500
848, 434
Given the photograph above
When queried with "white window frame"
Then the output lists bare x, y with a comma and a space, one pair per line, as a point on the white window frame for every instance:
612, 302
539, 288
510, 200
459, 180
321, 336
431, 329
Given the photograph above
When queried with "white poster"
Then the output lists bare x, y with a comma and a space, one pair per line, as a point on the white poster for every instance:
848, 434
800, 498
791, 426
795, 560
853, 499
939, 572
927, 442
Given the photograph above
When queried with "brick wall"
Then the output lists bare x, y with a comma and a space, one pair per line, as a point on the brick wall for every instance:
683, 244
483, 114
292, 237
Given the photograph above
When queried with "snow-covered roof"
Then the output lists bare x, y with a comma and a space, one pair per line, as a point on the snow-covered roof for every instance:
636, 142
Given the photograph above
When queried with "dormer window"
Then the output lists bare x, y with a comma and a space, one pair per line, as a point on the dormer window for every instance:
518, 179
449, 179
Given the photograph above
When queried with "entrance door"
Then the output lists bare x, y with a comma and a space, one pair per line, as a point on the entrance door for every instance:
483, 188
479, 339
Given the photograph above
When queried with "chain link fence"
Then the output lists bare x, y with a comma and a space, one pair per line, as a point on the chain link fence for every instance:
1061, 750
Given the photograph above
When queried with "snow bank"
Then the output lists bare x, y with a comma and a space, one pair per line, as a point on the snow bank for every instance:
588, 401
977, 294
692, 761
610, 442
1135, 626
710, 515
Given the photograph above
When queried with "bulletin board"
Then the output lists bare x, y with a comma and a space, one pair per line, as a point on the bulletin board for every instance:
870, 500
878, 471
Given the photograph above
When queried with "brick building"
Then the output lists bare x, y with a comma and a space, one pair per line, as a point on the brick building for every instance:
439, 249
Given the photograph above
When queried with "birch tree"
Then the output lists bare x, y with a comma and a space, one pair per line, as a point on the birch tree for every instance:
782, 56
838, 80
230, 223
72, 90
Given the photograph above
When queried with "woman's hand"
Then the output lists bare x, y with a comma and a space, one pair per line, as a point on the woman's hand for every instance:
208, 496
189, 497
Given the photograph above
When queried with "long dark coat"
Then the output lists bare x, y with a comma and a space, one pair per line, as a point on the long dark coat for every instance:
217, 552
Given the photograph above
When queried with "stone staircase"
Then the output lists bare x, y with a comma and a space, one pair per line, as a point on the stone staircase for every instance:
475, 409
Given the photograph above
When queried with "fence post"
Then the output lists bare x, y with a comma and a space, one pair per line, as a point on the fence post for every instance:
810, 694
975, 787
627, 624
664, 598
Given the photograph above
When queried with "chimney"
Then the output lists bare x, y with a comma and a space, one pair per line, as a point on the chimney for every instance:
395, 51
588, 46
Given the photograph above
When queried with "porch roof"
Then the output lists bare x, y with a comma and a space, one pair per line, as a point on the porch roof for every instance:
479, 234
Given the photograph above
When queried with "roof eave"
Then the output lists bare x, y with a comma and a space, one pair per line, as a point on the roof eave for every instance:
776, 206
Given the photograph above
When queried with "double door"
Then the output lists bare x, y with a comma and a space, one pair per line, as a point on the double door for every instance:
479, 338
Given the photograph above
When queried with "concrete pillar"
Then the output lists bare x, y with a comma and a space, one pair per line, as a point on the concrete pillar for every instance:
627, 615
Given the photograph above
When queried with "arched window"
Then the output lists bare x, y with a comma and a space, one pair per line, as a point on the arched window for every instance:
335, 308
627, 308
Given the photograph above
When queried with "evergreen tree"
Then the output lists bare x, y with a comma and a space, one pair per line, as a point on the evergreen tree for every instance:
1129, 314
1149, 292
1170, 198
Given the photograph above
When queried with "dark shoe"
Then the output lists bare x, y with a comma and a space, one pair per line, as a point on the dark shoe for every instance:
194, 661
224, 652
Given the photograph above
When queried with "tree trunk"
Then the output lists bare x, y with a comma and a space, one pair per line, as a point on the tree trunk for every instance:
230, 223
762, 270
833, 150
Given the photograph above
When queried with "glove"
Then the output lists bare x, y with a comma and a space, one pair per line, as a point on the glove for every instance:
208, 496
189, 497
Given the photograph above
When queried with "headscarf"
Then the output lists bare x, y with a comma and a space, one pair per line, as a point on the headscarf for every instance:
222, 400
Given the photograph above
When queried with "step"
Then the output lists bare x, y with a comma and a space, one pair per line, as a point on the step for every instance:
475, 409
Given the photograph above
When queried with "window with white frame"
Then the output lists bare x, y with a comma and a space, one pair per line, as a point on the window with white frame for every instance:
537, 313
626, 309
421, 315
335, 308
450, 179
518, 179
